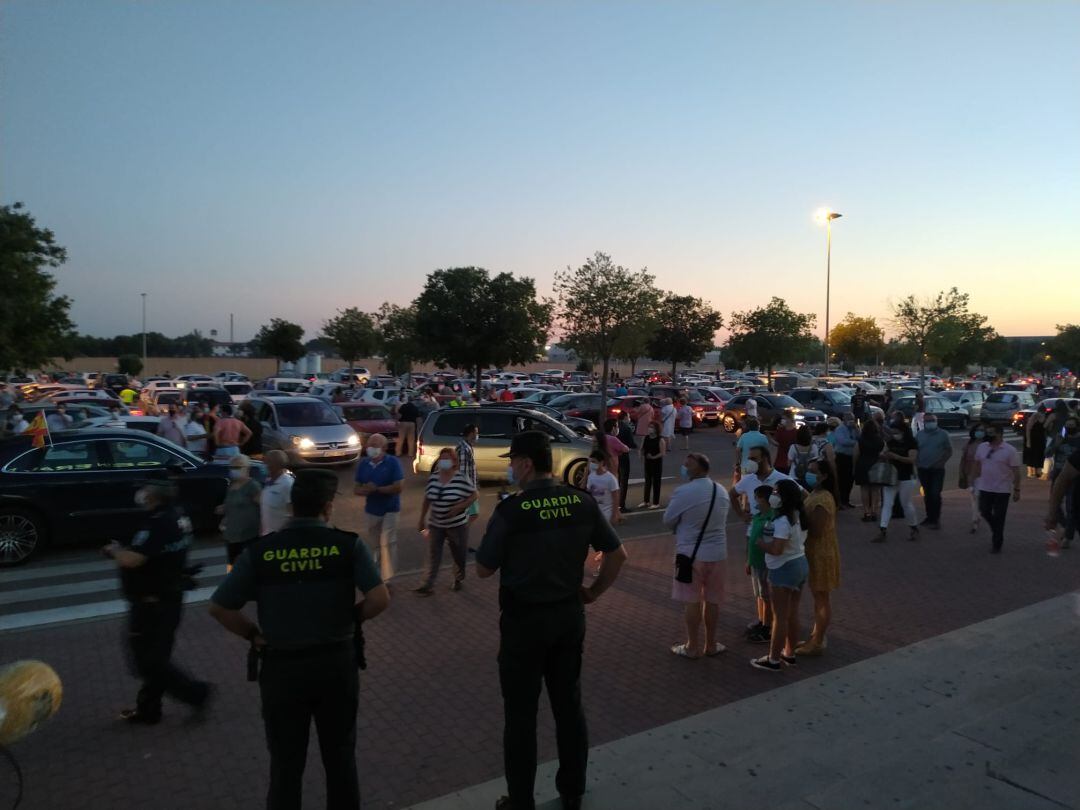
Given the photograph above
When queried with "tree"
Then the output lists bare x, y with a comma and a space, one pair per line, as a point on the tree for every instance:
281, 339
686, 329
600, 306
920, 321
635, 342
857, 339
899, 353
34, 323
353, 334
396, 336
1064, 347
468, 319
129, 364
769, 335
962, 340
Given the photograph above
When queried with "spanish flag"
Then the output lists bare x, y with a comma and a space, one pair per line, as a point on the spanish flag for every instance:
39, 429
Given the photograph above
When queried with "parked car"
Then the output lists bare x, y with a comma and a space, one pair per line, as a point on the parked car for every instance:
1019, 420
160, 399
707, 411
827, 400
231, 376
147, 424
213, 396
76, 410
238, 390
498, 425
115, 382
771, 407
189, 380
544, 397
582, 427
970, 401
949, 415
581, 405
357, 374
367, 418
307, 429
287, 385
83, 486
999, 406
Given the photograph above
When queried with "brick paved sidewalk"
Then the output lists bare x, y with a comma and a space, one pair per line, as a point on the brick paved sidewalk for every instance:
430, 710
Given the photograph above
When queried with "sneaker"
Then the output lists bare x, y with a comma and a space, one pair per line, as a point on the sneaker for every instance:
655, 506
762, 636
643, 505
765, 663
788, 660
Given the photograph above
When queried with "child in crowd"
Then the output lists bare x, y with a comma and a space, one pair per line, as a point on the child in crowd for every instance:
755, 565
604, 487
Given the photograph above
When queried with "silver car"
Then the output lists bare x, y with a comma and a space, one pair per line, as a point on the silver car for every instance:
1000, 406
498, 425
307, 429
970, 401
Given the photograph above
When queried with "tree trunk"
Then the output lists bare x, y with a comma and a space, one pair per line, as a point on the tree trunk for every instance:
633, 366
602, 409
479, 388
768, 376
674, 369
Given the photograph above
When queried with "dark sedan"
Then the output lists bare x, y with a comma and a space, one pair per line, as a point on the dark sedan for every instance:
770, 409
82, 486
949, 415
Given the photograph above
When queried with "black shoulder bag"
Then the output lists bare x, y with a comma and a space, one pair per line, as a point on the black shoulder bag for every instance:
684, 566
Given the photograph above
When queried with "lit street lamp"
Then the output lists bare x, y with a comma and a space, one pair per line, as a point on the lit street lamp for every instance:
827, 216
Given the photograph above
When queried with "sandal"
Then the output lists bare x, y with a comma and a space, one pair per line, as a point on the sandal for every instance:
716, 650
682, 651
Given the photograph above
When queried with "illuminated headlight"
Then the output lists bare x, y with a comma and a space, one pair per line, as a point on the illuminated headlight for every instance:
181, 385
353, 440
303, 442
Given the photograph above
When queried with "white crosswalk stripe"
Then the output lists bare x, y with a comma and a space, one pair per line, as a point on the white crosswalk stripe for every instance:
46, 594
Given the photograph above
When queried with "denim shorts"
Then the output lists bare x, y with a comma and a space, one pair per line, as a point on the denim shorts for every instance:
759, 581
791, 574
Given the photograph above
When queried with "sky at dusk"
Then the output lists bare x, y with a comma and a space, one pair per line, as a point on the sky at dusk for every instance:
290, 159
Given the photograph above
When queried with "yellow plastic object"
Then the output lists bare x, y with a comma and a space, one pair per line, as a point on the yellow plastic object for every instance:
30, 693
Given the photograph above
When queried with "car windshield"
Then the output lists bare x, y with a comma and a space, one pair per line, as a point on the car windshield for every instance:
953, 396
784, 402
306, 414
170, 398
995, 398
357, 413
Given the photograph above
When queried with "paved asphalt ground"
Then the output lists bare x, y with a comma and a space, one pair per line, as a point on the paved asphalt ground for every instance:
430, 719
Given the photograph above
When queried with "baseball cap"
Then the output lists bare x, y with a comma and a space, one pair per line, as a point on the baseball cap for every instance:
531, 444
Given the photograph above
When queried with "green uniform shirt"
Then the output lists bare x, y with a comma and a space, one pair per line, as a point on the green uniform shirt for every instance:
304, 579
755, 554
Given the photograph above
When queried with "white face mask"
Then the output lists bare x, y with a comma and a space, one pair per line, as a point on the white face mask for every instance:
774, 501
140, 498
750, 467
593, 466
445, 464
236, 473
374, 452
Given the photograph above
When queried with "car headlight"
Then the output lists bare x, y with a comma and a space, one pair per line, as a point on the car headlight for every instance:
303, 442
353, 440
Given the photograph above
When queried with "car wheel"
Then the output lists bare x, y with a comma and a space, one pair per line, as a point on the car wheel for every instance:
22, 534
577, 473
729, 424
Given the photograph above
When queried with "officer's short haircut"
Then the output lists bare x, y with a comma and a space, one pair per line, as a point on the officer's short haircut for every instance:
469, 428
701, 459
312, 490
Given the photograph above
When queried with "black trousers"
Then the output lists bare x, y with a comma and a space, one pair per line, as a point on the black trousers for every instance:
654, 471
297, 688
542, 643
932, 480
994, 506
624, 478
151, 634
845, 475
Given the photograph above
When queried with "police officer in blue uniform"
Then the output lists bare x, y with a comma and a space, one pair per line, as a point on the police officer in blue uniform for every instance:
538, 541
305, 580
152, 576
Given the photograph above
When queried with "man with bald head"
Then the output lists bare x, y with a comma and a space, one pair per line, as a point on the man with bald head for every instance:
276, 493
378, 479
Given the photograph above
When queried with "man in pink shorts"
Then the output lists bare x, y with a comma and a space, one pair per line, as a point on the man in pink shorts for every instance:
697, 514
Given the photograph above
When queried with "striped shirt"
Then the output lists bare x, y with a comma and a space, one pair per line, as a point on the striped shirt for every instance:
466, 461
441, 497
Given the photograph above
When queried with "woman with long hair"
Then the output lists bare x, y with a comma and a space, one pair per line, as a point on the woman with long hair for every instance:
784, 544
900, 451
822, 551
867, 450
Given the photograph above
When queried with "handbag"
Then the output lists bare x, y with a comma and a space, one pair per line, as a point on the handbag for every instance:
882, 473
684, 566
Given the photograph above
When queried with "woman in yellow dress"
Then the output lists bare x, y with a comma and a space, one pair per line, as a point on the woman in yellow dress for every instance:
822, 551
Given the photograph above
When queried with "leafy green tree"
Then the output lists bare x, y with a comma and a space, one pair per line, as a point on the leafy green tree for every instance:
685, 331
34, 323
962, 340
899, 353
635, 342
468, 319
129, 364
353, 334
857, 339
769, 335
925, 322
281, 339
1064, 347
600, 306
398, 342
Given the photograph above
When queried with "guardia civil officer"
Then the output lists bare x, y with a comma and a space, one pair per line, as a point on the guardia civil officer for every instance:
305, 580
538, 540
152, 576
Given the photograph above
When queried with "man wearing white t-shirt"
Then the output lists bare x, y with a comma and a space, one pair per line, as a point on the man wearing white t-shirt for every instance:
604, 487
276, 494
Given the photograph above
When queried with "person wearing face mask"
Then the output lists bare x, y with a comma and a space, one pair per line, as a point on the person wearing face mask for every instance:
17, 423
822, 552
538, 540
241, 522
305, 580
379, 480
151, 570
976, 436
1064, 445
603, 486
934, 450
900, 451
997, 472
749, 436
845, 440
444, 519
653, 450
171, 428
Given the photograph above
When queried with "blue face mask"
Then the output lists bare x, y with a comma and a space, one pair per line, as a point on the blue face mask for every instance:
684, 473
510, 474
811, 480
980, 434
930, 426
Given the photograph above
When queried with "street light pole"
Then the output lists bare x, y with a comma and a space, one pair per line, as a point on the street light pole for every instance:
828, 216
143, 330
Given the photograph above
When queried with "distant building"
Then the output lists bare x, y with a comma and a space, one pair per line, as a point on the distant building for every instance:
225, 349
